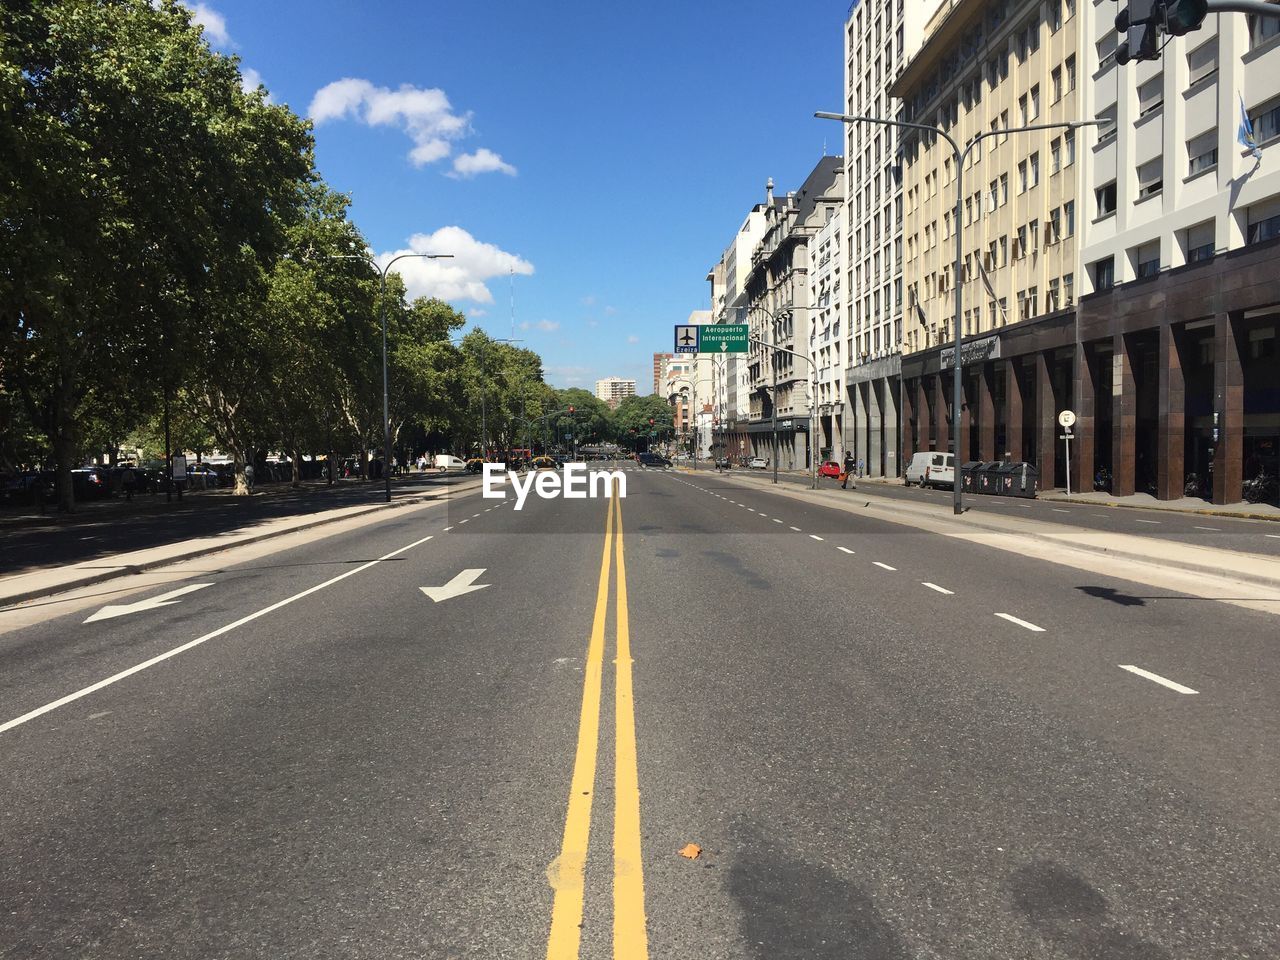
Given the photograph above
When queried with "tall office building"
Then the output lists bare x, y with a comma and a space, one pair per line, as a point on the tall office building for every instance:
880, 36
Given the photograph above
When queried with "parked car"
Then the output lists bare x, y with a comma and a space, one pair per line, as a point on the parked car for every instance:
758, 463
91, 483
931, 469
202, 476
544, 463
829, 468
447, 462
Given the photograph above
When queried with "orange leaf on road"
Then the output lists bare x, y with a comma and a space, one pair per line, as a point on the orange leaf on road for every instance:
691, 851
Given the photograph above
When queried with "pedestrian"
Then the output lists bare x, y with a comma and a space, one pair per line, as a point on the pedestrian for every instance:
861, 467
128, 480
248, 476
849, 466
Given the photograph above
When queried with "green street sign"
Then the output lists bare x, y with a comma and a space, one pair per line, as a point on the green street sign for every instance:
723, 338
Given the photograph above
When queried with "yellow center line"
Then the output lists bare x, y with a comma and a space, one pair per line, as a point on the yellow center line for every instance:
566, 872
630, 939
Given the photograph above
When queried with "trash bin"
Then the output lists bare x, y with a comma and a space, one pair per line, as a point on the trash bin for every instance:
985, 475
969, 475
1018, 479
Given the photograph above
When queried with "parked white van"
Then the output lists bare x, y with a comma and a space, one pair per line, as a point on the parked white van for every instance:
931, 469
447, 461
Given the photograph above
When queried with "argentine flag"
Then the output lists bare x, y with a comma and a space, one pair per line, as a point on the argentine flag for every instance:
1245, 135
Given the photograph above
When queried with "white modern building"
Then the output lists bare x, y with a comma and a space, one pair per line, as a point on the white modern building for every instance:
880, 36
613, 390
826, 345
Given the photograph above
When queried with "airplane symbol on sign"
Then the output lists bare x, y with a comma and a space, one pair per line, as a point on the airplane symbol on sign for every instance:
688, 337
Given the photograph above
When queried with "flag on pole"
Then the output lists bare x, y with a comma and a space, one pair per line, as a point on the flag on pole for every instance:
1245, 135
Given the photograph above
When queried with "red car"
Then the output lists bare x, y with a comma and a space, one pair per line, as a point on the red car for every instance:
830, 469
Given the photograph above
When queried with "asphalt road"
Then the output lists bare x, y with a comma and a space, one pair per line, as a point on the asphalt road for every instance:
873, 760
1226, 533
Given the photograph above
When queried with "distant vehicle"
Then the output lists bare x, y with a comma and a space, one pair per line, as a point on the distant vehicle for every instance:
758, 463
544, 463
202, 476
447, 461
653, 460
475, 465
931, 469
91, 483
829, 468
723, 463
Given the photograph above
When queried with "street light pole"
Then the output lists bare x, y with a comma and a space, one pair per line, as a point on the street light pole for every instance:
382, 312
959, 155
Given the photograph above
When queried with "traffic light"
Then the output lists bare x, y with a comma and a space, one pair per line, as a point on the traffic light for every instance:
571, 409
1142, 24
1183, 16
1152, 19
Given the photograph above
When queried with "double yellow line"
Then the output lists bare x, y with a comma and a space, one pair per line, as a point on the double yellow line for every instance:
630, 939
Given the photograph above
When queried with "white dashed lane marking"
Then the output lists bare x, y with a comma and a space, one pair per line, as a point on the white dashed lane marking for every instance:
1215, 529
934, 586
814, 536
883, 566
1022, 623
1156, 678
844, 549
796, 529
1137, 520
775, 519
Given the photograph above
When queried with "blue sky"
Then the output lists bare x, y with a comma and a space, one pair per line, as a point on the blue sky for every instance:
603, 151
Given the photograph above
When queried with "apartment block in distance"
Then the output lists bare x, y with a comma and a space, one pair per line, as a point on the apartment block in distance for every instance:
984, 66
613, 390
879, 37
1177, 371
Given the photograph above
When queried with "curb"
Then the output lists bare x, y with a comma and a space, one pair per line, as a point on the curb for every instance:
1269, 518
135, 568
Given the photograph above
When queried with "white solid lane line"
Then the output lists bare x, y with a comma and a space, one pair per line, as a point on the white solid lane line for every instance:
1155, 677
1022, 623
844, 549
814, 536
883, 566
138, 668
934, 586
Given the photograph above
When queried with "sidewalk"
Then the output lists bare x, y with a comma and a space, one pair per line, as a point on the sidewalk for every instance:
1193, 505
47, 581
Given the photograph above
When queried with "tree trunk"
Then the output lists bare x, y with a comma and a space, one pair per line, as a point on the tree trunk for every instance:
297, 468
242, 482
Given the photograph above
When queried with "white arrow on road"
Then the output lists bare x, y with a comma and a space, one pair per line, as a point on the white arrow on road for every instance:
164, 600
465, 582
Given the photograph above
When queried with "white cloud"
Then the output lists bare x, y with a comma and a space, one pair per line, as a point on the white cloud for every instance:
477, 313
214, 23
548, 326
589, 300
633, 339
610, 311
569, 376
250, 80
484, 160
424, 114
461, 278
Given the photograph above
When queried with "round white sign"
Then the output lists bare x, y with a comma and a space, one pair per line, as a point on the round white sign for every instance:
1067, 418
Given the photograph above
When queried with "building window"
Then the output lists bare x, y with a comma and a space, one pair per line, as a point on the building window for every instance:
1055, 84
1262, 29
1104, 274
1070, 67
1022, 176
1020, 245
1202, 62
1069, 218
1035, 101
1150, 178
1105, 198
1051, 297
1022, 110
1055, 155
1069, 290
1106, 49
1264, 222
1004, 189
1069, 147
1266, 120
1033, 168
1107, 132
1198, 241
1146, 259
1053, 227
1202, 153
1151, 95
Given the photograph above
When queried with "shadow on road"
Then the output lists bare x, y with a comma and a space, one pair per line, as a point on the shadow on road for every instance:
1065, 908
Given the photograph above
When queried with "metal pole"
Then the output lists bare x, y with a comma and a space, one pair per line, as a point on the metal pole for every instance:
813, 426
386, 393
168, 451
773, 361
1066, 442
957, 392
